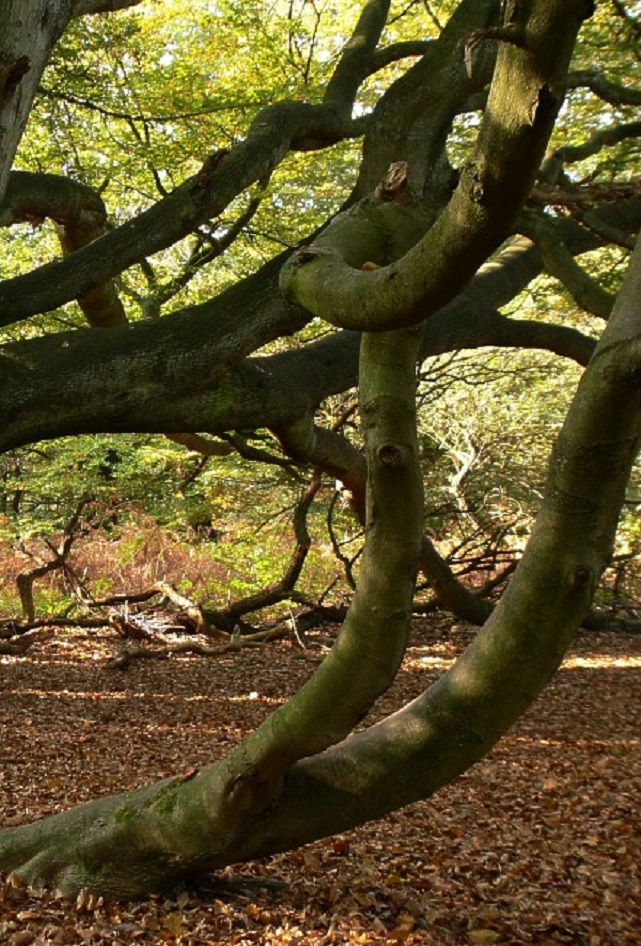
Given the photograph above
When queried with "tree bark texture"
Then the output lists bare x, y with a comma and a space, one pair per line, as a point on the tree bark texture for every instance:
177, 827
408, 251
287, 784
28, 33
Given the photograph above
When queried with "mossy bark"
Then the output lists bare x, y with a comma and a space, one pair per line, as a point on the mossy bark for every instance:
525, 96
286, 785
301, 775
182, 826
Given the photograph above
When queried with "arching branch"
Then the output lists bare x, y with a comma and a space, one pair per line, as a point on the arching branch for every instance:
79, 215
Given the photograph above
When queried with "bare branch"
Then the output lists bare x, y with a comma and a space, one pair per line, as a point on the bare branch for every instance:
560, 263
606, 89
386, 55
604, 138
230, 617
203, 445
200, 257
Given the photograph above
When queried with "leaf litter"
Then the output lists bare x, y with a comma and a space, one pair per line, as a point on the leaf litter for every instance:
537, 845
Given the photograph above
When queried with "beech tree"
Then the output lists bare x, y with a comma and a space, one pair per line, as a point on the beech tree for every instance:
423, 252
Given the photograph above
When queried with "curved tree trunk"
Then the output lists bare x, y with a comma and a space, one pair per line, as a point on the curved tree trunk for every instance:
284, 786
301, 775
176, 827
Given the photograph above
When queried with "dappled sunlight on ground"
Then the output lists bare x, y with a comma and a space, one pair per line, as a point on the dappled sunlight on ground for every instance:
601, 661
538, 844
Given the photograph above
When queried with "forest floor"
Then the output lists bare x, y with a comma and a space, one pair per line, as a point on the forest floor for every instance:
538, 844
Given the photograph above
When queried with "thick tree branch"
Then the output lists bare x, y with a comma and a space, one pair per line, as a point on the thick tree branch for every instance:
526, 93
420, 107
414, 752
603, 138
119, 381
387, 55
223, 177
203, 445
354, 64
360, 666
280, 788
88, 7
34, 197
560, 263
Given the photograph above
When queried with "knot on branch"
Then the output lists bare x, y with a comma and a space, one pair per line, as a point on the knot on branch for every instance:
394, 184
11, 73
390, 456
473, 179
210, 166
581, 576
304, 256
298, 259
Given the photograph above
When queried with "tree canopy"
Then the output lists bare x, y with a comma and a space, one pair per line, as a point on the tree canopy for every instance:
221, 218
